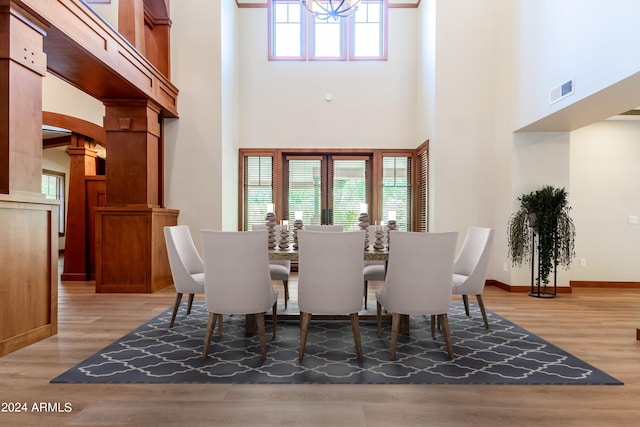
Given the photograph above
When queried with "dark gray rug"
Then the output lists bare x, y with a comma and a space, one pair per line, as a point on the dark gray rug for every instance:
504, 354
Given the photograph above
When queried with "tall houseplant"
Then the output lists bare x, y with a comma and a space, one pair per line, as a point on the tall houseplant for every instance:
546, 213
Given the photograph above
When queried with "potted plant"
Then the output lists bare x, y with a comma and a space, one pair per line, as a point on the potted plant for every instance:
544, 214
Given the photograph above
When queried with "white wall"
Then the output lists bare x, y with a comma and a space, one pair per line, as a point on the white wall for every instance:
60, 97
589, 40
283, 102
193, 143
604, 193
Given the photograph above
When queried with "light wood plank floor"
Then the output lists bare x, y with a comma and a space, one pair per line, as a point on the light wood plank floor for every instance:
596, 325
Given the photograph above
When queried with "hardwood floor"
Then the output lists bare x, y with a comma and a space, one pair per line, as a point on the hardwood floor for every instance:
596, 325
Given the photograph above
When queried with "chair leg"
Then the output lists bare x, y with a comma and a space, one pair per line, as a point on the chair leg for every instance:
395, 323
366, 291
274, 316
433, 326
175, 308
285, 283
355, 325
465, 300
219, 324
190, 303
484, 313
446, 332
305, 319
261, 334
207, 338
379, 317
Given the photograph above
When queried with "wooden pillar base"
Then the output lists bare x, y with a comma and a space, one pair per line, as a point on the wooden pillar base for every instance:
131, 255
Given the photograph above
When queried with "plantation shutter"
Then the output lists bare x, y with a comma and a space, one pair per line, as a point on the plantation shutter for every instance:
396, 190
422, 188
257, 189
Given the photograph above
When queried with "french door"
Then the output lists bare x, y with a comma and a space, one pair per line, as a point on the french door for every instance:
327, 188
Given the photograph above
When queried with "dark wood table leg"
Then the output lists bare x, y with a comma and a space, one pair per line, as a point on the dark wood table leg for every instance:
251, 325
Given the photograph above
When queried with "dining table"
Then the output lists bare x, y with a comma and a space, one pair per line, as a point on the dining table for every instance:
291, 254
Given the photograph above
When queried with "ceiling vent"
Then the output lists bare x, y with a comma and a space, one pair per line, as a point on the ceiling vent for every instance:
561, 92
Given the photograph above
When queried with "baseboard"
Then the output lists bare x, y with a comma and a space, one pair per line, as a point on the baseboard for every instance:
523, 288
603, 284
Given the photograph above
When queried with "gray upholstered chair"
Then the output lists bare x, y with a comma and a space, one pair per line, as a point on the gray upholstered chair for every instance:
280, 269
233, 288
373, 270
330, 279
418, 281
470, 267
187, 269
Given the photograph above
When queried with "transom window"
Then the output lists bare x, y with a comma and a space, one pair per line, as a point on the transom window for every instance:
295, 33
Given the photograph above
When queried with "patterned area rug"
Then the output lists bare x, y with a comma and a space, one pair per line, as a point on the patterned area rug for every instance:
504, 354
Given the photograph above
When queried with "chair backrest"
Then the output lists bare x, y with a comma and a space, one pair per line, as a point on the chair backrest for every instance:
325, 227
330, 272
419, 273
236, 271
473, 259
184, 258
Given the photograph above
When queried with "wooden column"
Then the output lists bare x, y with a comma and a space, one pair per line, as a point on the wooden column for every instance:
130, 249
28, 221
82, 163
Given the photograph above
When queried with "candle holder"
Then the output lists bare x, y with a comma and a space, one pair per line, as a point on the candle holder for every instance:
284, 238
378, 244
297, 225
363, 220
271, 227
391, 225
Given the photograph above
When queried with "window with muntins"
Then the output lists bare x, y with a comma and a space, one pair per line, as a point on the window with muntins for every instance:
296, 34
53, 188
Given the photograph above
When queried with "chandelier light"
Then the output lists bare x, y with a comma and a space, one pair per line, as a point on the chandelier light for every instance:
325, 9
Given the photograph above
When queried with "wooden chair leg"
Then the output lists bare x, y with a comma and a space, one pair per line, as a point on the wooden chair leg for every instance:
379, 317
433, 326
219, 324
175, 309
305, 319
446, 332
355, 325
274, 316
465, 300
395, 323
190, 304
484, 313
207, 338
285, 283
261, 334
366, 292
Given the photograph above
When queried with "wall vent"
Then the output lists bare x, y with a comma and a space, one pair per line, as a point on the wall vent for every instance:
561, 92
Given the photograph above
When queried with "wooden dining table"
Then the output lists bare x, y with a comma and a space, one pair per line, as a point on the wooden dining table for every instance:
292, 254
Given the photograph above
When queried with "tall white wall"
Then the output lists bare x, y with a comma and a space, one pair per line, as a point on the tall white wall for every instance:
462, 137
283, 102
194, 142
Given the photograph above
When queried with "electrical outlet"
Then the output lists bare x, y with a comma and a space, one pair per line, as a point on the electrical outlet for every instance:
505, 267
633, 219
583, 262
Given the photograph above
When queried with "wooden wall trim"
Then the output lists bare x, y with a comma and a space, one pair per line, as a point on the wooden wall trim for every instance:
75, 125
522, 288
603, 284
255, 5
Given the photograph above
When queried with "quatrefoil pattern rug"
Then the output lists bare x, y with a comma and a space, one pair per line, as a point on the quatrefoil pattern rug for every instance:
504, 354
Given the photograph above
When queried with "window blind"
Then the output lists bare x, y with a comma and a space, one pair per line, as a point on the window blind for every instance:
257, 189
304, 190
396, 190
349, 191
422, 180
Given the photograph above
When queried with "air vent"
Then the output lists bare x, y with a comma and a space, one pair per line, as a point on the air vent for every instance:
561, 92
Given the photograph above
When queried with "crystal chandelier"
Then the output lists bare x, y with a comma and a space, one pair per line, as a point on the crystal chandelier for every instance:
325, 9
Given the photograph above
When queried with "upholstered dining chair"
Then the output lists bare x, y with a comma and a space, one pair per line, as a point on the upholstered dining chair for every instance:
373, 270
470, 267
330, 279
187, 269
231, 288
418, 281
280, 269
325, 227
